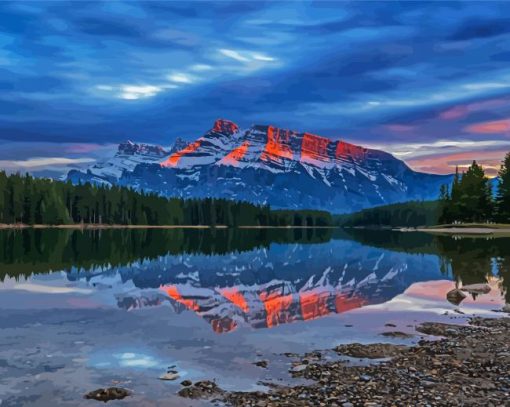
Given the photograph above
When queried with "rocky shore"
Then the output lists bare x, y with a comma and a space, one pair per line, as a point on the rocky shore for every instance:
468, 366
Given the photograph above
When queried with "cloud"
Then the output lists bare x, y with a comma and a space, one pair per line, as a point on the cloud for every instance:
399, 128
39, 162
453, 113
262, 57
181, 78
201, 67
490, 127
412, 150
446, 163
234, 55
464, 110
131, 92
481, 28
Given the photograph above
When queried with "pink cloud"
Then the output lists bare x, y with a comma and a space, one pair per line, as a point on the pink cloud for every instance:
445, 164
78, 148
490, 127
399, 128
461, 111
455, 112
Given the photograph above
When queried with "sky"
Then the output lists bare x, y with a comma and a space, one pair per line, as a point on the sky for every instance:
428, 82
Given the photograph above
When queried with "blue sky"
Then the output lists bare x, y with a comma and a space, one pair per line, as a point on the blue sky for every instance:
429, 82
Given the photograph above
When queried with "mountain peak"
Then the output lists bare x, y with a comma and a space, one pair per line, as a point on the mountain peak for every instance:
130, 148
225, 126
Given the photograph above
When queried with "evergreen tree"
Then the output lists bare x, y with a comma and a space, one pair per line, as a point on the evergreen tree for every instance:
475, 195
43, 201
503, 194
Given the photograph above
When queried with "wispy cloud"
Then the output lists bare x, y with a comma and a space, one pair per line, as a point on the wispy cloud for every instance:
39, 162
490, 127
246, 56
413, 150
446, 163
234, 55
181, 78
133, 92
262, 57
201, 67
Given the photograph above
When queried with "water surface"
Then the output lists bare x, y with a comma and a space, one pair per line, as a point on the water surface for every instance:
86, 309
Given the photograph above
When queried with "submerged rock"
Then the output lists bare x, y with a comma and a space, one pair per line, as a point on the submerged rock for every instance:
477, 288
371, 351
169, 376
397, 334
261, 363
468, 368
204, 389
108, 394
455, 296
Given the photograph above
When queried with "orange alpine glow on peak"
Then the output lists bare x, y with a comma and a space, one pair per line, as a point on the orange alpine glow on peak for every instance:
277, 308
278, 144
344, 149
314, 305
225, 126
235, 297
174, 159
314, 147
174, 293
236, 154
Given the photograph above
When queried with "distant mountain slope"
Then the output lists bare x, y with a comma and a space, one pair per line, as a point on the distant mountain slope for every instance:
266, 164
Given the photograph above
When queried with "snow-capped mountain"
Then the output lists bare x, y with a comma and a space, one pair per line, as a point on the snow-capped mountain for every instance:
128, 156
264, 288
266, 164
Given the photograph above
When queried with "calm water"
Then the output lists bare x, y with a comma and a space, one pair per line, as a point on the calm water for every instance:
82, 310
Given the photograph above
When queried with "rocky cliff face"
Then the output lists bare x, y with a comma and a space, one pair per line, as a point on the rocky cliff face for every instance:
266, 164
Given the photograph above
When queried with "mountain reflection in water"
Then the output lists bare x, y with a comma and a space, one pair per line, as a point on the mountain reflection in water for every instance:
254, 277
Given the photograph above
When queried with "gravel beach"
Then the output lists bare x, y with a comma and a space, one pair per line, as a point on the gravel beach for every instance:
468, 366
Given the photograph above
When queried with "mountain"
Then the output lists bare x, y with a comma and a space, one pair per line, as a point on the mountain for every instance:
264, 288
266, 164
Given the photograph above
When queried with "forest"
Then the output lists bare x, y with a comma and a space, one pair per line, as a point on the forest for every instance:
470, 199
35, 201
409, 214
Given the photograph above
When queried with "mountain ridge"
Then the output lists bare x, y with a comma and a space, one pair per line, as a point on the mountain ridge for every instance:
266, 164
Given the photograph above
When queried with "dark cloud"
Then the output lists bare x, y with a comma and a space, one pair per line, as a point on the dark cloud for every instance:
102, 71
473, 29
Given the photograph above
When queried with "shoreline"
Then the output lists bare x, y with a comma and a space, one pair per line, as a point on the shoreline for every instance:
117, 226
98, 226
466, 231
466, 365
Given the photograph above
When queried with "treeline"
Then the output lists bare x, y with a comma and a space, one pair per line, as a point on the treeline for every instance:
469, 259
471, 199
409, 214
30, 201
27, 251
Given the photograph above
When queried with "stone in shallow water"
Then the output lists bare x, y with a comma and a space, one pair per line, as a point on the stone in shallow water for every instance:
261, 363
455, 296
108, 394
169, 376
477, 288
370, 351
397, 334
203, 389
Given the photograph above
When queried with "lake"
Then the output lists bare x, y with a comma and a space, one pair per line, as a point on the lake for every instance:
86, 309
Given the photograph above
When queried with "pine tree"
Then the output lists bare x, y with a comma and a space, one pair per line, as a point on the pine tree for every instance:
503, 194
475, 195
